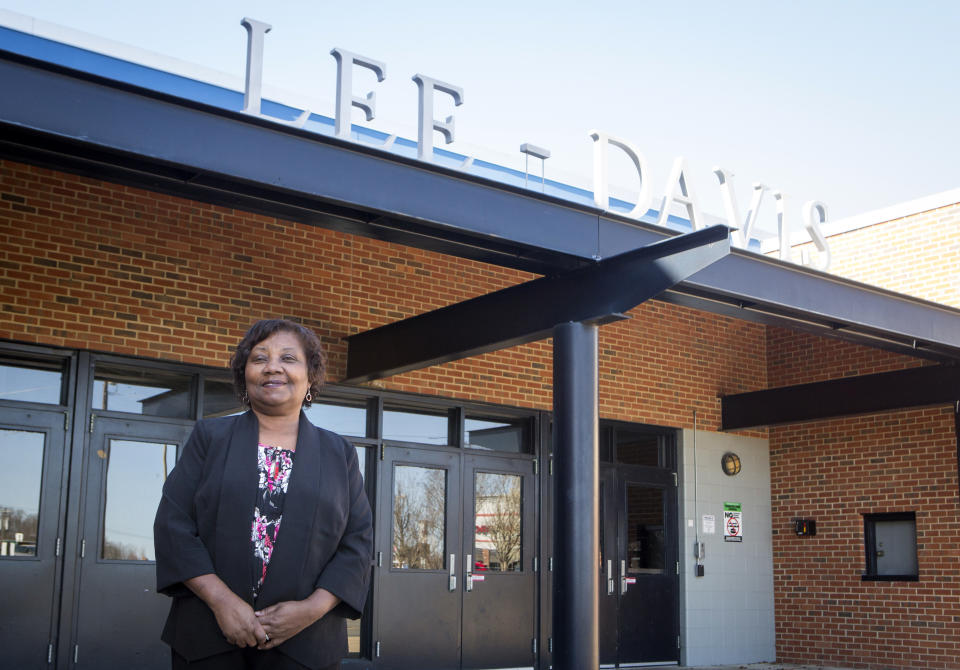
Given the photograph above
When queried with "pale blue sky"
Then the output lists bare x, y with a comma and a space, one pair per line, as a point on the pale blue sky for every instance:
852, 103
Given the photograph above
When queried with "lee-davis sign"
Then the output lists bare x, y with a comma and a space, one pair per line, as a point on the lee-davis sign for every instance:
678, 190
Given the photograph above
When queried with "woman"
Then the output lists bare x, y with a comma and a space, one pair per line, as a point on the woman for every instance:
246, 593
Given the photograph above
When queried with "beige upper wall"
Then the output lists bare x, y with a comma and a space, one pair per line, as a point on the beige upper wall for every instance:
913, 248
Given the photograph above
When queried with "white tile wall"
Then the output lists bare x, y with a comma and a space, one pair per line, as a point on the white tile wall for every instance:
726, 615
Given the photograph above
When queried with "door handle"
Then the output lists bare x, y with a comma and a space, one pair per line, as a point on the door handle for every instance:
610, 582
453, 572
468, 579
623, 577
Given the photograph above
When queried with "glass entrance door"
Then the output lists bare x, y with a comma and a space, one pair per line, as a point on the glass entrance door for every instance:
456, 583
118, 613
32, 449
609, 567
639, 581
648, 607
499, 589
419, 560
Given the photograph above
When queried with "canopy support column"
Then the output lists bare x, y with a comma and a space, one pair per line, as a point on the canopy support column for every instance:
576, 466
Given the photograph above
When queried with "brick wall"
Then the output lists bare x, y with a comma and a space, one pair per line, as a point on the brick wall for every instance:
92, 265
835, 471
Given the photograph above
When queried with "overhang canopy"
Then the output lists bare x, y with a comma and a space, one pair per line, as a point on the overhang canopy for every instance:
526, 312
70, 120
901, 389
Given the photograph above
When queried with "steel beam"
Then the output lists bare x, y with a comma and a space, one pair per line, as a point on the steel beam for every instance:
69, 120
529, 311
901, 389
155, 137
576, 613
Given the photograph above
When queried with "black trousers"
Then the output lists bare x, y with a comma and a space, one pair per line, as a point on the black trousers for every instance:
248, 658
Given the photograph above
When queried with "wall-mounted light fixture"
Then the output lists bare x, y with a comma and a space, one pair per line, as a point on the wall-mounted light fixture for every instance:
730, 463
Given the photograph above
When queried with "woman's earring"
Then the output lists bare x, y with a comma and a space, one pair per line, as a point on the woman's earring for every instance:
244, 400
309, 397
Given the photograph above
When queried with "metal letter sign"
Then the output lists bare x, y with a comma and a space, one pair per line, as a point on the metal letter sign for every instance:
427, 123
254, 81
732, 522
601, 197
679, 189
685, 197
744, 233
345, 98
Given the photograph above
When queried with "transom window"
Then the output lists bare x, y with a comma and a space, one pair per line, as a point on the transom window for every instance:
141, 390
31, 382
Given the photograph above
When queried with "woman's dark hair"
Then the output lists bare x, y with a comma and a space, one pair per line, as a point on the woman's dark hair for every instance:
261, 330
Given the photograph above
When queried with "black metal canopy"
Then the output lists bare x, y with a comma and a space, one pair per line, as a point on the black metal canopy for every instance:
526, 312
901, 389
74, 121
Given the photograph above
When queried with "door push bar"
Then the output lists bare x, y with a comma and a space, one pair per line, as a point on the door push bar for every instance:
468, 580
610, 580
453, 572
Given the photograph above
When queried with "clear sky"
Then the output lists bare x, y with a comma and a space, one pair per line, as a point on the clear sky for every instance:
854, 103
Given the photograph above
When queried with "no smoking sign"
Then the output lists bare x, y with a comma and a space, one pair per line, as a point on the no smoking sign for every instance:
732, 522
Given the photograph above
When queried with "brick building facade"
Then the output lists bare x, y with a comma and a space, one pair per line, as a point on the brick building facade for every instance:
115, 270
103, 267
839, 470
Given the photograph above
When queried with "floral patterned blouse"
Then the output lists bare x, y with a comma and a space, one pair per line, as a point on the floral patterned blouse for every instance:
274, 465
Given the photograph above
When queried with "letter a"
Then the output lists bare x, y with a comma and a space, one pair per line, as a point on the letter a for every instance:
685, 197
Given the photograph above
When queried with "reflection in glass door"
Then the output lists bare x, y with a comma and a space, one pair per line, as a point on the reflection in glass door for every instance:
119, 613
648, 609
456, 587
32, 447
499, 591
419, 563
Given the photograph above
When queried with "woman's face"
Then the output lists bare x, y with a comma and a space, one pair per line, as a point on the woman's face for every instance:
276, 374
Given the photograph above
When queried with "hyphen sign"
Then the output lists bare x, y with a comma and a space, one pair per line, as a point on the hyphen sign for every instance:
678, 189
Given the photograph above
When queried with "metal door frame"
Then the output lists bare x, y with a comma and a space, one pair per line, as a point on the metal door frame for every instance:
618, 476
53, 423
89, 518
527, 467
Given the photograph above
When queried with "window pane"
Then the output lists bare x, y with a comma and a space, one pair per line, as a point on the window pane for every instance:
606, 440
30, 384
362, 461
498, 522
353, 637
419, 427
20, 491
495, 434
635, 448
419, 524
142, 391
600, 526
135, 475
645, 550
341, 418
220, 398
896, 547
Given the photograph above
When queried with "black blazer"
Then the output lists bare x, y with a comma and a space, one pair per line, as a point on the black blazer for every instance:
203, 526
